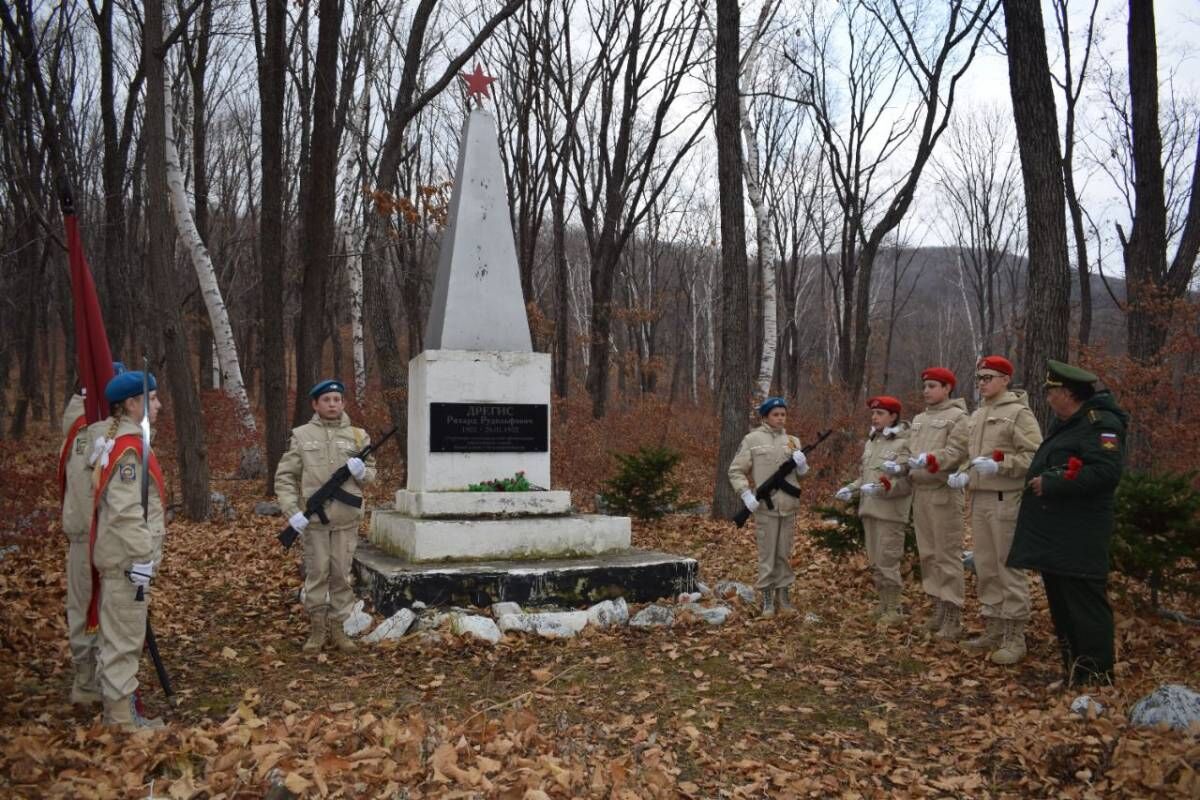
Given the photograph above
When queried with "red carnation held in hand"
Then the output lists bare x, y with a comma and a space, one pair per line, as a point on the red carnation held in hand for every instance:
883, 481
931, 464
997, 455
1073, 466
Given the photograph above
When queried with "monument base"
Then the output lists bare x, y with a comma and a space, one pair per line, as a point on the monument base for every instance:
481, 504
421, 539
638, 576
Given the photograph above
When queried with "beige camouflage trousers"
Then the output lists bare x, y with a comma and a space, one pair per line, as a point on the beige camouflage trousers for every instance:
938, 520
328, 559
774, 536
1003, 592
79, 593
885, 548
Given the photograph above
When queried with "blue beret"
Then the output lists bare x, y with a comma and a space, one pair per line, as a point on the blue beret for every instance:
323, 387
119, 367
126, 385
770, 403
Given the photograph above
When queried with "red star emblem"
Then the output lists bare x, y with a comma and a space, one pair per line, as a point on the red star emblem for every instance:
477, 83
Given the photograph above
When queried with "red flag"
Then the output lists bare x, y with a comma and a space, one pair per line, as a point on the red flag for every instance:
91, 342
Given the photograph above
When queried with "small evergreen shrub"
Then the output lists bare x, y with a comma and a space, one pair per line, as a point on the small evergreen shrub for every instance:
840, 531
1156, 540
517, 483
644, 486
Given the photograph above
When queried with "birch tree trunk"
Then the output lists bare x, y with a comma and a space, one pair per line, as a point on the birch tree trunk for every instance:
354, 277
762, 215
217, 313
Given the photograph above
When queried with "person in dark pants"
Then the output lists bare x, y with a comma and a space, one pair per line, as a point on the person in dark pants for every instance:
1066, 518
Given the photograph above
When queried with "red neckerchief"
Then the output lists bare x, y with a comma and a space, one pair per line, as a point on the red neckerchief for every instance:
123, 444
65, 455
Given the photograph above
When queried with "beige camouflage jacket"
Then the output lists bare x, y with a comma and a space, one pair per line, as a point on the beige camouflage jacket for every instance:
888, 445
316, 451
941, 431
1008, 425
122, 536
761, 453
77, 499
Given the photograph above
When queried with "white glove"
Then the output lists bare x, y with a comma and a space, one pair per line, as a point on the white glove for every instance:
985, 466
959, 480
801, 462
870, 489
892, 468
298, 521
918, 461
140, 573
845, 494
100, 450
750, 501
357, 468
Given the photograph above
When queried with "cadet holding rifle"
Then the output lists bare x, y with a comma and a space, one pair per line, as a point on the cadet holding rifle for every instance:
758, 458
317, 450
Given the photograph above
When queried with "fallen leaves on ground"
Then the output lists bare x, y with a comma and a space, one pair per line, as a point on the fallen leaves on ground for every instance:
752, 709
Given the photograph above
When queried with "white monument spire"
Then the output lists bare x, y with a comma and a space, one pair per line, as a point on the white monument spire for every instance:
477, 300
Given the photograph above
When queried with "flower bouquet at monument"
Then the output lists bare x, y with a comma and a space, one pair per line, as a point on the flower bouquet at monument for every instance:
517, 483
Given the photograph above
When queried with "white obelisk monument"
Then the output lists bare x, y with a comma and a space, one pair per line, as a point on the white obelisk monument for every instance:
479, 398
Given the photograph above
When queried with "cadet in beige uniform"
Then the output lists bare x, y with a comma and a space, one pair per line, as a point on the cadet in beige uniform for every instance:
939, 445
317, 450
75, 483
1003, 435
126, 548
762, 452
884, 502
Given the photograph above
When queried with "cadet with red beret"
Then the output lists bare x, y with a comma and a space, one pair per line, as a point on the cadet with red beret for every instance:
1002, 436
939, 445
884, 502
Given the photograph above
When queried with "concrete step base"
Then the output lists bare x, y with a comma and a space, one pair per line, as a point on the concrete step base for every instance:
638, 576
423, 539
481, 504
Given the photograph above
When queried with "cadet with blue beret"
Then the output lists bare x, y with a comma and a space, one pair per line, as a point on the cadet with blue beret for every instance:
126, 544
317, 450
1066, 519
760, 454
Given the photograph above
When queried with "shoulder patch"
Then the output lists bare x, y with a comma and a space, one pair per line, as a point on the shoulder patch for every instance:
127, 472
1109, 440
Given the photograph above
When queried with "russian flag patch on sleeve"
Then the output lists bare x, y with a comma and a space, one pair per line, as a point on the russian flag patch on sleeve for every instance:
1108, 441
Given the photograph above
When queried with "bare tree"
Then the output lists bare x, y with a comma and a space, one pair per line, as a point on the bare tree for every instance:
979, 189
894, 51
1048, 283
734, 386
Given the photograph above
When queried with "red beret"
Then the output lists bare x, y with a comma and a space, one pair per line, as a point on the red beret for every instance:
996, 364
939, 374
885, 402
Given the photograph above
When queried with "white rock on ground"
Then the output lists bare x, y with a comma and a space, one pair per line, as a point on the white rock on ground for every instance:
688, 597
1176, 706
500, 609
703, 589
476, 627
393, 627
549, 625
609, 613
1087, 707
357, 622
716, 615
812, 619
728, 588
653, 617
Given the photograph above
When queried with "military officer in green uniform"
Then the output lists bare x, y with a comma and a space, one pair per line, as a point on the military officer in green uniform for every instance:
1066, 518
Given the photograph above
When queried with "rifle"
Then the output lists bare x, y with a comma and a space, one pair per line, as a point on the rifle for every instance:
778, 480
160, 669
331, 490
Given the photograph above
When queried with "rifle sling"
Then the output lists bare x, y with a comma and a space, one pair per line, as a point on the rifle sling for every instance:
342, 496
788, 489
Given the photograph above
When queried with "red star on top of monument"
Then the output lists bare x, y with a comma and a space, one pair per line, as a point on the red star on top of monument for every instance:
477, 83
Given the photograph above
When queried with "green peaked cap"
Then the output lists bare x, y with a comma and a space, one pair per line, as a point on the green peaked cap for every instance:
1059, 373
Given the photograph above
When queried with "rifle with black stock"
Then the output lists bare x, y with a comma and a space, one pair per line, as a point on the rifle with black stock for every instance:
778, 480
331, 490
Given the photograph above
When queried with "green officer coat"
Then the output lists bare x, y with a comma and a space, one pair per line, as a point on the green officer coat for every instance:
1066, 531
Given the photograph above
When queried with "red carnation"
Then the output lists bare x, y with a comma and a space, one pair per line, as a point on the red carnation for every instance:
1073, 466
887, 485
997, 455
931, 464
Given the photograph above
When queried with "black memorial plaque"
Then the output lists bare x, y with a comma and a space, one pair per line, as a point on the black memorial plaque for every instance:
488, 428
